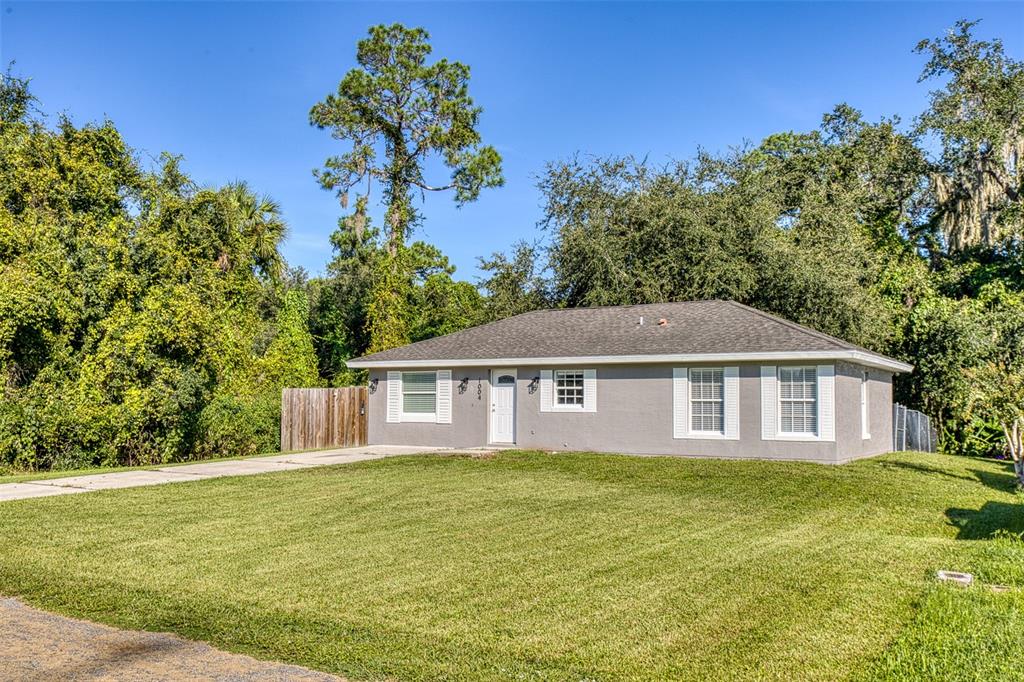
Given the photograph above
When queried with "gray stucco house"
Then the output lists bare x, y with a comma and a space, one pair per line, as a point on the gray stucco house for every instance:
698, 378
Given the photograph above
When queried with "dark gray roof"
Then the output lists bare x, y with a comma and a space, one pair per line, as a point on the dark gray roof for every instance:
693, 327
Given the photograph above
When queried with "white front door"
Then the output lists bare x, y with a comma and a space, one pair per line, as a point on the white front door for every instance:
503, 406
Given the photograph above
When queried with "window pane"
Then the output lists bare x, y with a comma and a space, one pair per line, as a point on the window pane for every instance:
419, 392
418, 402
707, 403
569, 387
419, 382
798, 405
796, 390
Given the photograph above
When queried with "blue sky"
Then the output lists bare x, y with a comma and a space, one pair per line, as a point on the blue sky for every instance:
229, 85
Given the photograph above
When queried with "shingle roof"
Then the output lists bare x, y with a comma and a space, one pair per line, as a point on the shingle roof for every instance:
713, 328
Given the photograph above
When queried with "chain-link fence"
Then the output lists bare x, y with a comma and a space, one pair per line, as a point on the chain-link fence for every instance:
912, 430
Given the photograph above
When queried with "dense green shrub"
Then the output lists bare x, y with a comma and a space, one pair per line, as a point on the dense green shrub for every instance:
134, 324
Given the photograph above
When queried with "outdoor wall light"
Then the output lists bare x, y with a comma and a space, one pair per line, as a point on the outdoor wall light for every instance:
463, 385
534, 383
373, 385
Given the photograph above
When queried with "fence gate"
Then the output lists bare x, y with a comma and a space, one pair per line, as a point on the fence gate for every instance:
323, 417
912, 430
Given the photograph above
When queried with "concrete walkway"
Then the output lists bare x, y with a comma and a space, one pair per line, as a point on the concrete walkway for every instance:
38, 646
202, 470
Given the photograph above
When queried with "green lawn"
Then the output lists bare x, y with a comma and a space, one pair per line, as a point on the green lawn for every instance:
570, 566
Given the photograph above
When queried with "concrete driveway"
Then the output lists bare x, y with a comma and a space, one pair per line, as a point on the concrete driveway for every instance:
203, 470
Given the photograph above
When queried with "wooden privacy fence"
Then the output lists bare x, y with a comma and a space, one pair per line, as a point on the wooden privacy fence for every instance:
323, 417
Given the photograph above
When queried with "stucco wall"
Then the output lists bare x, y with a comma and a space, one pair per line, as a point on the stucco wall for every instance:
849, 432
634, 415
470, 410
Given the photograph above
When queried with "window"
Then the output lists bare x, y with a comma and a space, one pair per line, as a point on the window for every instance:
419, 393
506, 380
419, 397
865, 419
798, 400
569, 388
797, 403
707, 401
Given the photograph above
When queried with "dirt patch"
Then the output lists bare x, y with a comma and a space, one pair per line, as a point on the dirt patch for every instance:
38, 646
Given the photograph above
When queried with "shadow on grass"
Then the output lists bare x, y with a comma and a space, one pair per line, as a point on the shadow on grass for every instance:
1003, 480
931, 471
980, 524
999, 480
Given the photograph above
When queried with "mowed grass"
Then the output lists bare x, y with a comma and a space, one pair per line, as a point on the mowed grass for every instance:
553, 566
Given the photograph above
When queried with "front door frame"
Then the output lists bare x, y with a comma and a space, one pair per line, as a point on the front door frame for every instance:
495, 373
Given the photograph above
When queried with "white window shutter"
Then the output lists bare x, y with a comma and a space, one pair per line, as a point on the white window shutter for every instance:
827, 402
769, 402
394, 397
680, 386
444, 396
731, 378
545, 390
590, 390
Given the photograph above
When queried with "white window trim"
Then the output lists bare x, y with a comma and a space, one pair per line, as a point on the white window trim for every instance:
682, 398
549, 391
442, 413
786, 435
865, 407
689, 406
555, 406
824, 398
421, 417
416, 417
799, 435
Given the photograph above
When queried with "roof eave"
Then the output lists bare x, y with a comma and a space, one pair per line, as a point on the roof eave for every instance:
857, 356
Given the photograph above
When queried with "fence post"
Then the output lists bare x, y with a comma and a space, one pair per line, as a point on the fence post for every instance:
896, 427
904, 410
286, 415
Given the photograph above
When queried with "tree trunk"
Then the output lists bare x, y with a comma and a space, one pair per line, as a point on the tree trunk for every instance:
1015, 444
387, 317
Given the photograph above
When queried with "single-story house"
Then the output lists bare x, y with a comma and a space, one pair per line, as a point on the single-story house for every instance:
695, 378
